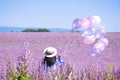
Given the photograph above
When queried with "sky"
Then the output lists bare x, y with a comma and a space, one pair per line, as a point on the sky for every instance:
58, 13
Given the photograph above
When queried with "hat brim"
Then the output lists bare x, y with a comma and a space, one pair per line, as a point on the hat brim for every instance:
52, 55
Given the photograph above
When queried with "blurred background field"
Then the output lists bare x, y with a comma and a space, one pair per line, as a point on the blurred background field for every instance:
69, 45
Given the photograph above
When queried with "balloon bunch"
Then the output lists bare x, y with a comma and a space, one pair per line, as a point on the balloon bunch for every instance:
91, 30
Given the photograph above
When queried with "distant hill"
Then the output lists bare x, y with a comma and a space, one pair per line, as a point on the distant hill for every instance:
59, 30
19, 29
11, 29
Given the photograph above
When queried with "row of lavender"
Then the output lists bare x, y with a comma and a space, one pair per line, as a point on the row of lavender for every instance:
25, 69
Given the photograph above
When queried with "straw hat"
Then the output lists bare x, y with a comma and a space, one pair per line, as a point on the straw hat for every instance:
50, 52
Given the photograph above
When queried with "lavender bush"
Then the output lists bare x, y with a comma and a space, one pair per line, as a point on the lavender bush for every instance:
23, 62
21, 71
68, 73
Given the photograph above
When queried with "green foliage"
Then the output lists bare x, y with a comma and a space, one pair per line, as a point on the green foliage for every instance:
13, 74
21, 77
42, 30
75, 31
10, 72
29, 30
19, 72
36, 30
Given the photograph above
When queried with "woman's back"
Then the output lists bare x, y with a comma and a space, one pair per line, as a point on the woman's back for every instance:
50, 61
51, 65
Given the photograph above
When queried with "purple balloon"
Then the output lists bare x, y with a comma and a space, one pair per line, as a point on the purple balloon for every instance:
94, 52
76, 24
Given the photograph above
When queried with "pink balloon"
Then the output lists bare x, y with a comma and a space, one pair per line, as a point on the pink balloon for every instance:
89, 39
92, 21
85, 23
104, 41
99, 46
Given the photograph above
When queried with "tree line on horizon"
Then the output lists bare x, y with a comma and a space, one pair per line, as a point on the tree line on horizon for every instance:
40, 30
36, 30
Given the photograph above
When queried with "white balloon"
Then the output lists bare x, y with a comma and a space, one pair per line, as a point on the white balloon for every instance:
94, 20
97, 19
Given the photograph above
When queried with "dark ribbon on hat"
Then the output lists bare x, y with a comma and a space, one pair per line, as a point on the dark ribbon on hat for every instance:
48, 53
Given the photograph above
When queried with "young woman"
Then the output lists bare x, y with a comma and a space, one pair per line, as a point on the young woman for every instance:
51, 61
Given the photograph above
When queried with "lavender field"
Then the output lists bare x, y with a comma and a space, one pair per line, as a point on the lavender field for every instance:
69, 45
